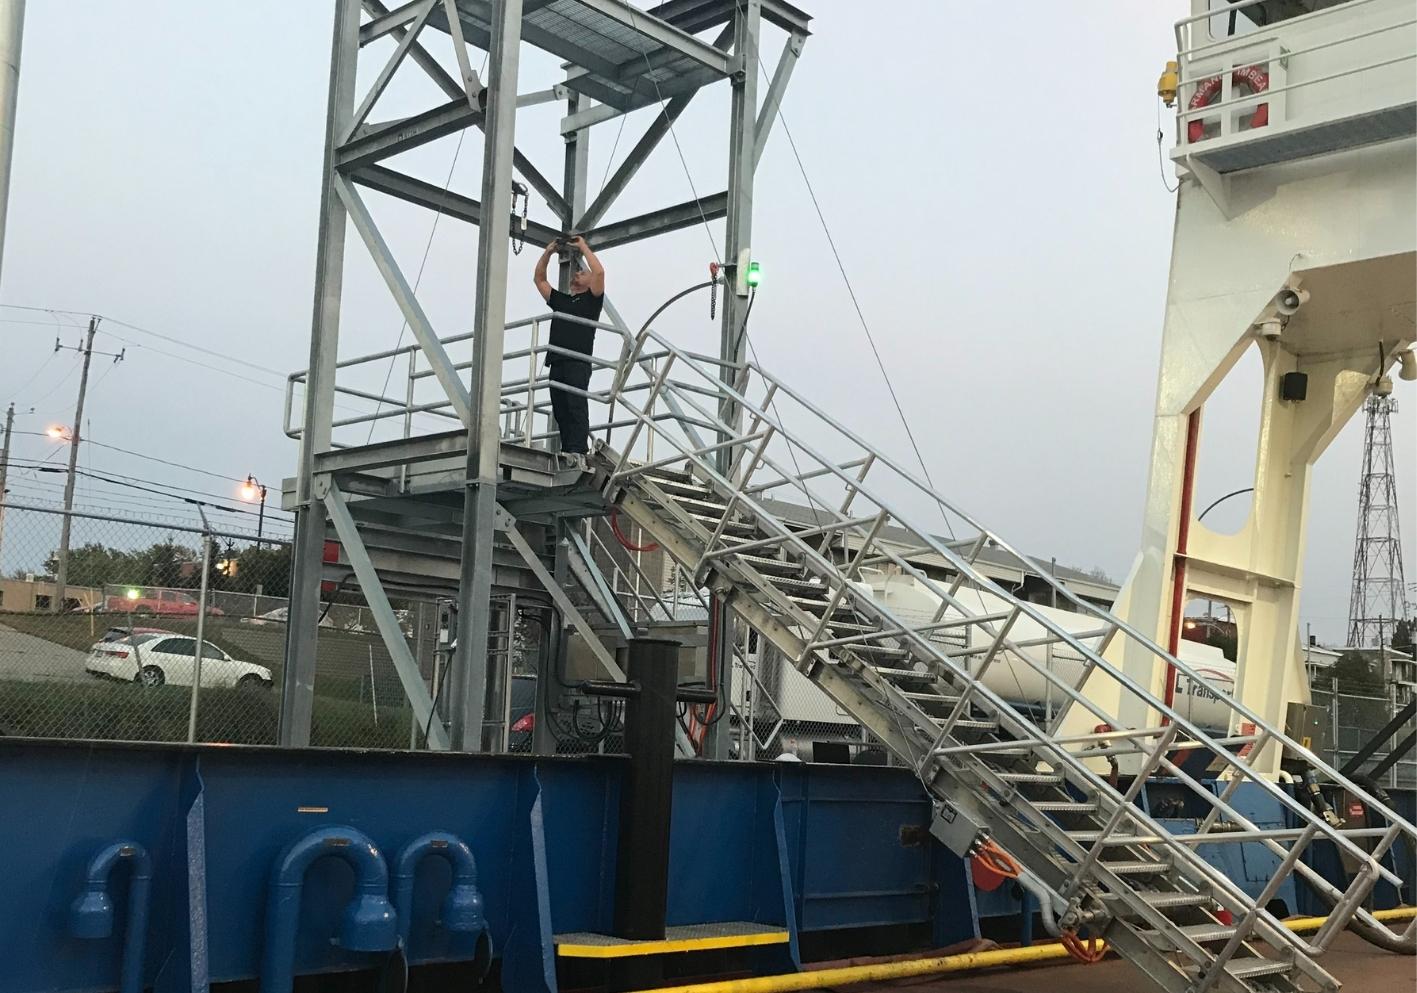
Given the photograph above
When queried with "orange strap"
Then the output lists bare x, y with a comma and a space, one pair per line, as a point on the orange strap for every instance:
999, 860
1088, 952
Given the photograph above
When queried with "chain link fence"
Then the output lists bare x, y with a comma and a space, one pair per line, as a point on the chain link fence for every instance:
134, 646
1362, 692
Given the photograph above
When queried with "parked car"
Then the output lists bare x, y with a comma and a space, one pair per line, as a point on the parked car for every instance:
153, 659
171, 603
522, 713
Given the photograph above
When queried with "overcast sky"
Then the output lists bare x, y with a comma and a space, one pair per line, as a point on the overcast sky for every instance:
1005, 227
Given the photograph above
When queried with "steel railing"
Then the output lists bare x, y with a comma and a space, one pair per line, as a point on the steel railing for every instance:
734, 459
1201, 59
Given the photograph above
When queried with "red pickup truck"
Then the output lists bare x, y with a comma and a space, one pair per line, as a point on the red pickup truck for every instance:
170, 603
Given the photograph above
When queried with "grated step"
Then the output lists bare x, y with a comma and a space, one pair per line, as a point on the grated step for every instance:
1084, 837
904, 675
695, 505
969, 724
1209, 931
1031, 777
863, 649
1140, 867
735, 528
1167, 899
930, 697
801, 585
1254, 968
1065, 806
766, 565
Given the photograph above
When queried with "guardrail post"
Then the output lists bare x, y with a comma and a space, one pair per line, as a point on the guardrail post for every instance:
201, 633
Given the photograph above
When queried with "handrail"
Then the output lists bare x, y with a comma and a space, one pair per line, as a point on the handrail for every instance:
1184, 24
845, 525
389, 408
1129, 685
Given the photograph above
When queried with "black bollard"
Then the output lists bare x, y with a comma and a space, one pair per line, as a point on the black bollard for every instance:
647, 793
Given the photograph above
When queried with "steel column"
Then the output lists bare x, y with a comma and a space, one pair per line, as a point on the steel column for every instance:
484, 432
738, 235
574, 178
12, 26
298, 680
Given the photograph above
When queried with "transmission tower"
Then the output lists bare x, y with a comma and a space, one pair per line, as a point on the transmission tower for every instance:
1379, 591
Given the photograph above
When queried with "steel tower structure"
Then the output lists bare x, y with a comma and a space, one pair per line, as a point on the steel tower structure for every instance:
449, 496
1378, 600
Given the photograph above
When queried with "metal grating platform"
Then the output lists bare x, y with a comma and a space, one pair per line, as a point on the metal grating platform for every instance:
689, 938
1258, 149
629, 57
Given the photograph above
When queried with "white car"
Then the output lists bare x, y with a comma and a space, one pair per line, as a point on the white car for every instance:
155, 659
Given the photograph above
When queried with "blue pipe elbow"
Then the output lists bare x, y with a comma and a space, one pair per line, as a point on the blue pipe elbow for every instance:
462, 909
369, 923
91, 913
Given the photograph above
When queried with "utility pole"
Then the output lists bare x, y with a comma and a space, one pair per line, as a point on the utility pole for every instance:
5, 471
12, 28
56, 602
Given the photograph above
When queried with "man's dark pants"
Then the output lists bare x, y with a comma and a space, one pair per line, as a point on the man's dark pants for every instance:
571, 411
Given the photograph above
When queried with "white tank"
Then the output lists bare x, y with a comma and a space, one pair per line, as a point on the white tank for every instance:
1017, 681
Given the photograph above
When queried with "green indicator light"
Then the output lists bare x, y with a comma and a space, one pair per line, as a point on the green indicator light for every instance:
755, 274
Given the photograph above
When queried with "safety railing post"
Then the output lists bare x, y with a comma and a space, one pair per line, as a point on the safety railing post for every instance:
528, 426
201, 633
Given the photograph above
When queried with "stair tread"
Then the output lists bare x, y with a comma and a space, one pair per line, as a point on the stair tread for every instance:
1171, 898
1209, 931
1138, 867
901, 674
1030, 777
1256, 967
1065, 806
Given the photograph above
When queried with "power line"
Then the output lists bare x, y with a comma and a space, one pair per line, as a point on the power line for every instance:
860, 315
156, 492
196, 348
124, 479
674, 135
35, 375
57, 386
150, 458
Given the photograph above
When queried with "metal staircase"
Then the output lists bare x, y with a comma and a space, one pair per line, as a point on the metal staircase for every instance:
675, 463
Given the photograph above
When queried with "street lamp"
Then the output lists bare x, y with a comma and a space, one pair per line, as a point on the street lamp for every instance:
59, 432
251, 491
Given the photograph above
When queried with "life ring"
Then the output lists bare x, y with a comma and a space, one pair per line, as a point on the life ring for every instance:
1252, 76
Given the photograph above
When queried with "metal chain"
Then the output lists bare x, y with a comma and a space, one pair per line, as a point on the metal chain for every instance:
519, 236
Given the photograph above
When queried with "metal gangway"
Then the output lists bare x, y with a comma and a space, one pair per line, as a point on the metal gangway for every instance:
696, 450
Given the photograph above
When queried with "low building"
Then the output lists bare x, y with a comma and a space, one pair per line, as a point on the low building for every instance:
33, 595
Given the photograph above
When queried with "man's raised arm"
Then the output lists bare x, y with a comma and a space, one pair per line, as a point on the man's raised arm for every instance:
539, 276
597, 271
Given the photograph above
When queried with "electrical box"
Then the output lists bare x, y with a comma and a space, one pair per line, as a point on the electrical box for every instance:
1309, 726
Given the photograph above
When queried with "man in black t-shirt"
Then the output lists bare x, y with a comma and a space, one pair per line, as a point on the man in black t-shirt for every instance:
573, 339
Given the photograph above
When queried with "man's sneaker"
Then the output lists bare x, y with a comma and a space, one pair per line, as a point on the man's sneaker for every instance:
573, 460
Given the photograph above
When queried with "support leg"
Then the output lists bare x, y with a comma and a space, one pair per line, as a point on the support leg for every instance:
484, 434
298, 680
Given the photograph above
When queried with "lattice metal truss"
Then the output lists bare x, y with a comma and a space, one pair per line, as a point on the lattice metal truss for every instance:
618, 58
1378, 601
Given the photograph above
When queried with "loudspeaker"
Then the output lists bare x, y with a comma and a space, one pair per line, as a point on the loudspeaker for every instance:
1294, 386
